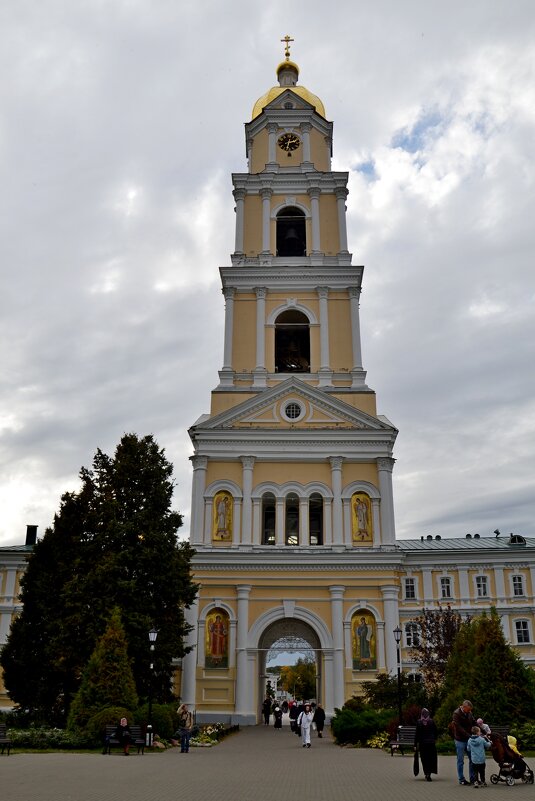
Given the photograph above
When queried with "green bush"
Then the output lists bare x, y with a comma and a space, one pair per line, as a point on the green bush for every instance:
525, 734
357, 728
162, 721
96, 725
43, 739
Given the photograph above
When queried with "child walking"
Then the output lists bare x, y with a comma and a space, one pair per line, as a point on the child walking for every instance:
476, 748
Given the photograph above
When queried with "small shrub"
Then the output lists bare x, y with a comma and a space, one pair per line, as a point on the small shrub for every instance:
356, 728
42, 739
378, 740
96, 725
162, 721
525, 734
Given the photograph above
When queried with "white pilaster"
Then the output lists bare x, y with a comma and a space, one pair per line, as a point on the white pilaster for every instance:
323, 294
348, 534
280, 521
390, 604
464, 587
341, 195
247, 485
336, 481
428, 586
260, 379
243, 680
272, 129
306, 127
376, 517
388, 529
236, 521
314, 194
239, 197
198, 486
228, 293
381, 658
500, 585
189, 661
354, 298
265, 194
304, 536
327, 521
208, 510
337, 622
257, 506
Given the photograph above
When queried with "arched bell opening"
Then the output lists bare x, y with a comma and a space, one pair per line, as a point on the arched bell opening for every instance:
292, 342
291, 232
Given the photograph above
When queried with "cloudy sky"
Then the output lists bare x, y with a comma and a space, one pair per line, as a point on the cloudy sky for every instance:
120, 123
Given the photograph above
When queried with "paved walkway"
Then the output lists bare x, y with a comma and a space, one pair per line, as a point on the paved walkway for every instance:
256, 764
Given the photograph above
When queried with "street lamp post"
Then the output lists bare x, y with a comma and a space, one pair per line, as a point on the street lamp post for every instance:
153, 634
397, 637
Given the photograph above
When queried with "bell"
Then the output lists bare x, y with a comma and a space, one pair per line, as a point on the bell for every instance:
292, 243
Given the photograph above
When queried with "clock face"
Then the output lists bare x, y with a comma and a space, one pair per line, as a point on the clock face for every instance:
289, 141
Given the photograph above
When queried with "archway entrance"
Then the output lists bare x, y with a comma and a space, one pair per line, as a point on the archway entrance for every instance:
283, 643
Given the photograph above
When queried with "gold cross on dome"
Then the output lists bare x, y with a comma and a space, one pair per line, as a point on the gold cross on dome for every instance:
287, 39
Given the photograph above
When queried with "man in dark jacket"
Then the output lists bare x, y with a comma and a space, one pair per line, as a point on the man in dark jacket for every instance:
463, 720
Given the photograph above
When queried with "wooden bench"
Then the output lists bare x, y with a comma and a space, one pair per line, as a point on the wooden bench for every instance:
137, 739
5, 742
503, 731
404, 740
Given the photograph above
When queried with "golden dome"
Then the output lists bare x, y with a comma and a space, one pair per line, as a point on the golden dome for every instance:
275, 91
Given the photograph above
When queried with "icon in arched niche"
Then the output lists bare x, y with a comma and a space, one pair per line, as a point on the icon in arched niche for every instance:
364, 640
222, 526
361, 518
216, 650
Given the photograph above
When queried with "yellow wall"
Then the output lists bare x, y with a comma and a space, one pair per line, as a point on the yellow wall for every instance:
329, 235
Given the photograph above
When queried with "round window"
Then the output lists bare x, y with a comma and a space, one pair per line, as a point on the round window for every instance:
292, 410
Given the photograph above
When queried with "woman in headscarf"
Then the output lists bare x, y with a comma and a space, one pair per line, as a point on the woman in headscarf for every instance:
425, 740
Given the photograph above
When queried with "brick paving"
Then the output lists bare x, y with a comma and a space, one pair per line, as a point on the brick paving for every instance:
256, 764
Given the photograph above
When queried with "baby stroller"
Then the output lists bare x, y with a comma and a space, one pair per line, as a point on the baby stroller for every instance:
512, 766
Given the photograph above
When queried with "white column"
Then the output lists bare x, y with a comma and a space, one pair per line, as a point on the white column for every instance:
198, 486
381, 662
239, 197
208, 510
327, 521
341, 195
348, 534
242, 673
306, 127
189, 661
265, 194
376, 522
257, 502
280, 520
273, 129
329, 681
304, 536
388, 528
354, 298
314, 194
337, 611
390, 604
247, 485
336, 481
261, 293
323, 294
236, 521
228, 293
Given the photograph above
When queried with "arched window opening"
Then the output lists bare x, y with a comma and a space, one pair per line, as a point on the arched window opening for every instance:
292, 342
291, 232
268, 519
292, 519
315, 519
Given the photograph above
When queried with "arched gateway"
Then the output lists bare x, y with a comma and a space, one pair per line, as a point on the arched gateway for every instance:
292, 510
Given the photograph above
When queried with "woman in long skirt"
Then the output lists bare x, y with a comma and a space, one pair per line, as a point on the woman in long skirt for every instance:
425, 740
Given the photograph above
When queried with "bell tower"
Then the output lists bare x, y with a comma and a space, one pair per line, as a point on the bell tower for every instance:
292, 481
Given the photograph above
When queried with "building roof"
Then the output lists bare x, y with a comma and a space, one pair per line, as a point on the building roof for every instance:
513, 542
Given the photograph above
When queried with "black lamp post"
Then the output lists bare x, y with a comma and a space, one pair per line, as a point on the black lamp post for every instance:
397, 637
153, 633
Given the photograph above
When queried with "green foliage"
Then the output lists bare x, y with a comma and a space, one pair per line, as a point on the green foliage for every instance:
382, 692
486, 669
300, 679
107, 679
111, 715
113, 543
438, 630
44, 739
162, 719
358, 727
378, 740
525, 734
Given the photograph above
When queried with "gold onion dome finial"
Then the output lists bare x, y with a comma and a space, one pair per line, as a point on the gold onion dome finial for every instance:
287, 75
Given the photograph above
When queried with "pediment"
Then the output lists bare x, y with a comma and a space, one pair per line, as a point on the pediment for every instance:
289, 97
294, 404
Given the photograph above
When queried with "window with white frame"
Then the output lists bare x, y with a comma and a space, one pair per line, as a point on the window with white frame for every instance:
415, 678
522, 631
482, 587
445, 587
410, 589
412, 635
518, 585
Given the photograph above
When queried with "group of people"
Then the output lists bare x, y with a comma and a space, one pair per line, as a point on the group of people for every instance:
303, 716
472, 739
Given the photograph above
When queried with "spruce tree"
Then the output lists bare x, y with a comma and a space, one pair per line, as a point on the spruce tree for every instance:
113, 543
107, 679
